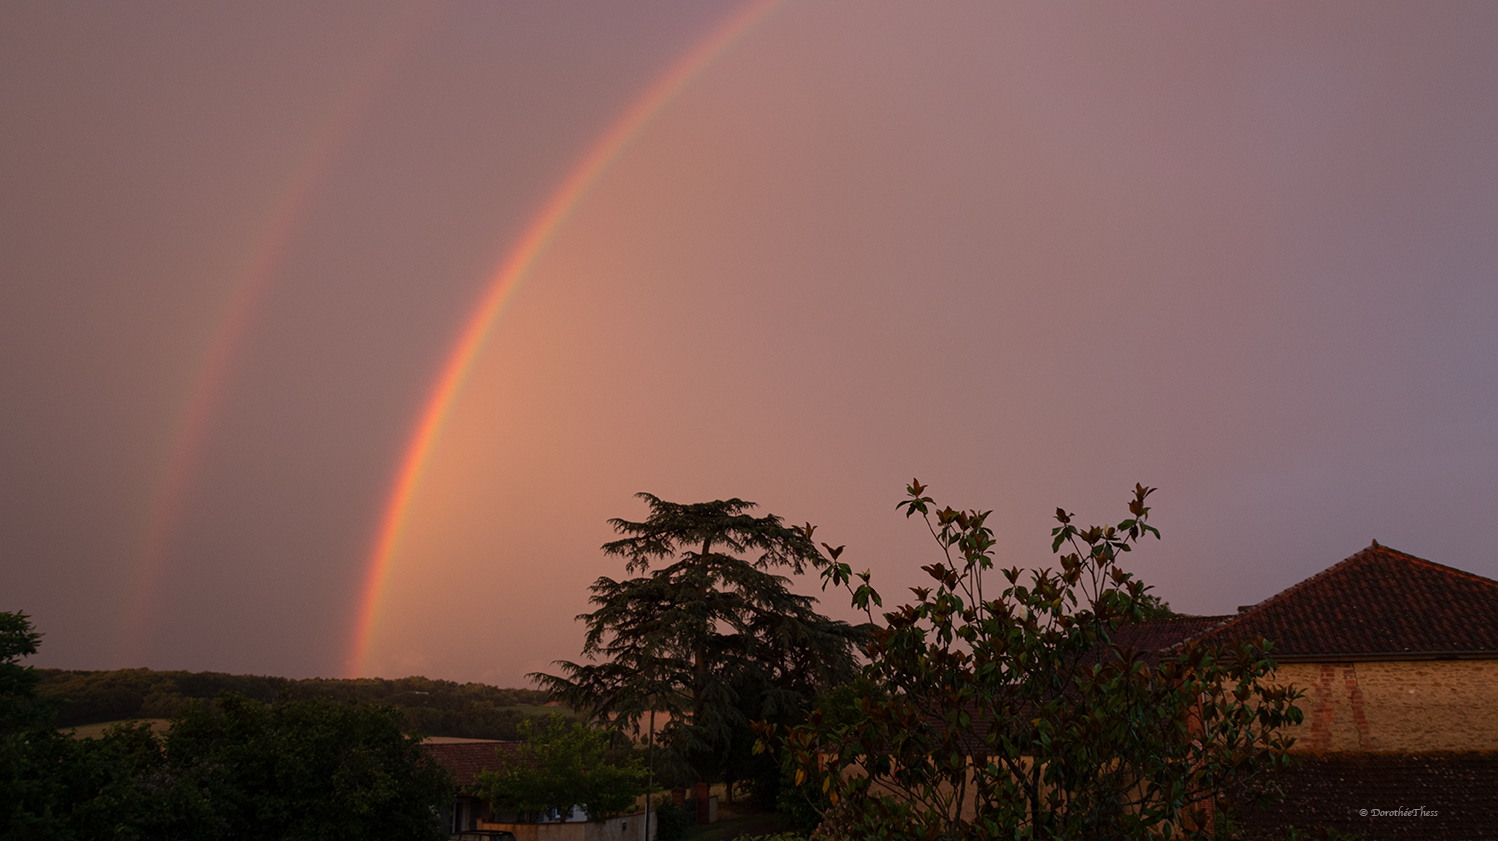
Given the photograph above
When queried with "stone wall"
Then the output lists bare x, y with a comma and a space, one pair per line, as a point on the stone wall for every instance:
1373, 796
626, 828
1405, 706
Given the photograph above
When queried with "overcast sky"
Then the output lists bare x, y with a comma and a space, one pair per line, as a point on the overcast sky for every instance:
1029, 253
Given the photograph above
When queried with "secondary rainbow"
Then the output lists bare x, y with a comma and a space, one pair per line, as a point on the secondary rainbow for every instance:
516, 264
168, 499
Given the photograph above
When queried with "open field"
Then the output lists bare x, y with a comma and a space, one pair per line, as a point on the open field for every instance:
91, 731
541, 709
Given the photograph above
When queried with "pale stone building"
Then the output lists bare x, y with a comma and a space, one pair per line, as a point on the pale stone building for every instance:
1399, 660
1396, 653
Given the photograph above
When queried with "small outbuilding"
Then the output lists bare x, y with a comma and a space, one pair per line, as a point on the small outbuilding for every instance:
465, 758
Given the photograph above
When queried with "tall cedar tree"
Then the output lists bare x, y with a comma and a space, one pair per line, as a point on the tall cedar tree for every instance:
711, 639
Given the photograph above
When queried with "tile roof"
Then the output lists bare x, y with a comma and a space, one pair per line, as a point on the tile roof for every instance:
1455, 789
466, 758
1377, 604
1161, 634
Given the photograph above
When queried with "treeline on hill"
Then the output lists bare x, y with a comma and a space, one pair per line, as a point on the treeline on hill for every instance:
429, 707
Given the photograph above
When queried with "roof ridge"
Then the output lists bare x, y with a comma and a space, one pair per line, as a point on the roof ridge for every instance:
1378, 563
1204, 632
1288, 591
1486, 582
1364, 554
1182, 617
1306, 582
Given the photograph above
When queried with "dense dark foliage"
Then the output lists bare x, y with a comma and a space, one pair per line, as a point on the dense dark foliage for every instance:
566, 764
19, 704
1004, 709
430, 707
672, 822
712, 637
307, 769
29, 749
232, 768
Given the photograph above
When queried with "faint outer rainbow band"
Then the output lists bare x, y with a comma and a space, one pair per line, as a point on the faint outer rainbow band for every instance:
168, 498
517, 263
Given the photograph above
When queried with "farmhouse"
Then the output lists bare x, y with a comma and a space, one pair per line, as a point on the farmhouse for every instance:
1396, 653
1399, 660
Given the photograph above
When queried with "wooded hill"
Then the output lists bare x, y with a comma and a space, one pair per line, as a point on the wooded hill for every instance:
430, 707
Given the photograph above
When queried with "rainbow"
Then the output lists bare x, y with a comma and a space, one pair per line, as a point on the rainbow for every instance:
516, 264
168, 498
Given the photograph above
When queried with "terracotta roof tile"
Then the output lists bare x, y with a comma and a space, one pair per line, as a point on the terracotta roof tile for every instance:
1377, 604
1161, 634
465, 759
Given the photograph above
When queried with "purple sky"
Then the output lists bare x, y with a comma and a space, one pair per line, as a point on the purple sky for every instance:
1030, 254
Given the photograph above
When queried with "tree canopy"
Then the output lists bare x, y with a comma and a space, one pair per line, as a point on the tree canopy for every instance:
19, 707
309, 769
432, 707
565, 764
1009, 712
708, 632
232, 768
31, 789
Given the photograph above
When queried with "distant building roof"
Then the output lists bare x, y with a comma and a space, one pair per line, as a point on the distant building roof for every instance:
465, 758
1379, 604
